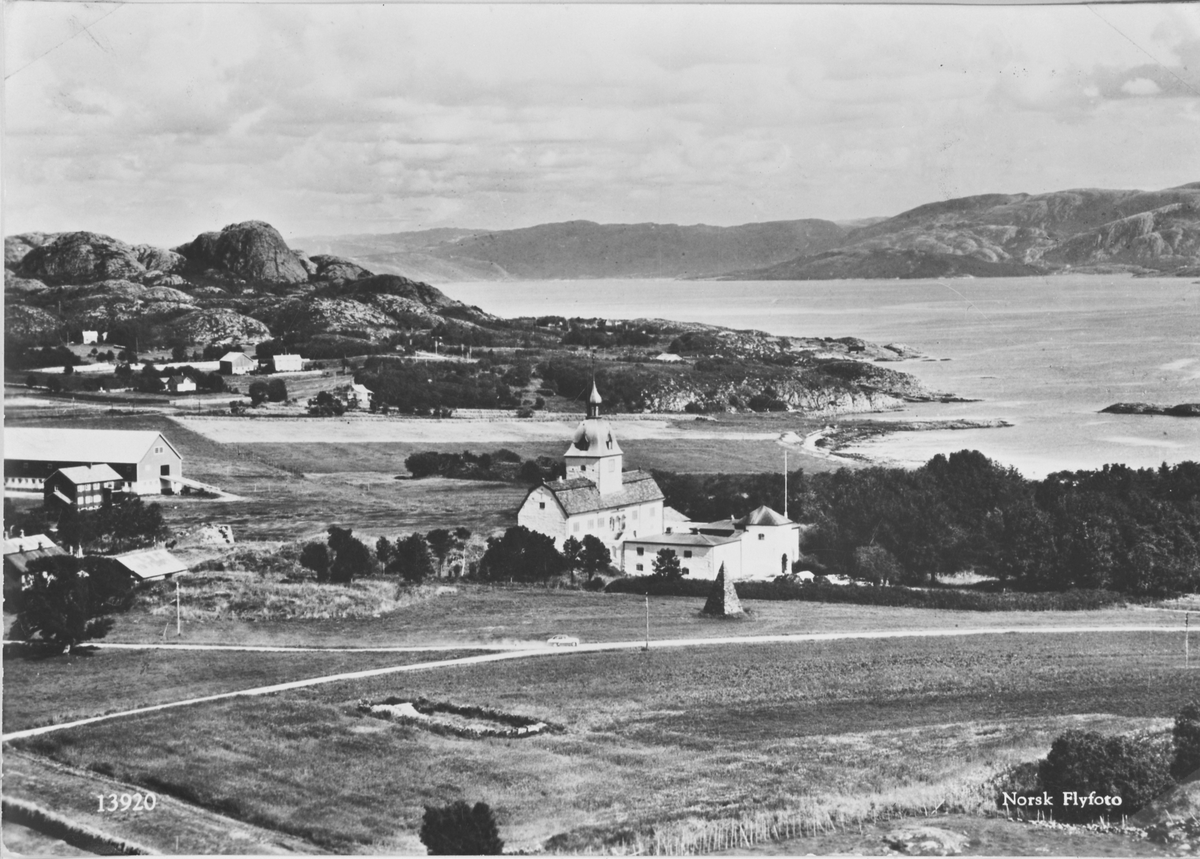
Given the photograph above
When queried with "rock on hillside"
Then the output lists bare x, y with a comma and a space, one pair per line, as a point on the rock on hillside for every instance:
16, 247
335, 268
159, 259
221, 325
81, 258
252, 251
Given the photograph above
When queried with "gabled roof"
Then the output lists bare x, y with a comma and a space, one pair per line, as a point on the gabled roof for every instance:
670, 514
151, 563
763, 515
26, 544
580, 495
20, 561
55, 444
90, 474
685, 540
234, 356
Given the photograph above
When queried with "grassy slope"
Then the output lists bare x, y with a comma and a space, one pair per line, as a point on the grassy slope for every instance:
708, 732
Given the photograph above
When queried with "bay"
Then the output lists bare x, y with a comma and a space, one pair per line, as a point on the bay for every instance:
1043, 353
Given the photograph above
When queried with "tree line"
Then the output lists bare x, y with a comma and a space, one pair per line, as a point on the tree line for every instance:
1132, 531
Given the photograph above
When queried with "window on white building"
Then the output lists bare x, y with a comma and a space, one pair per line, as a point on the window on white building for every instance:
762, 536
541, 505
687, 553
639, 568
641, 550
574, 526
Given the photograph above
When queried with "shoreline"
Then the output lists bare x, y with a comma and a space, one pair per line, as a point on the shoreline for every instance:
831, 442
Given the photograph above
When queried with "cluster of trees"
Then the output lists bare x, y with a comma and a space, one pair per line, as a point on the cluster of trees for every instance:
1134, 769
624, 388
63, 601
600, 334
339, 560
420, 556
148, 380
522, 555
1136, 532
422, 388
344, 558
502, 464
460, 829
119, 527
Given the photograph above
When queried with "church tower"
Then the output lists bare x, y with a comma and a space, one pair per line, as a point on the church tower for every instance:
594, 452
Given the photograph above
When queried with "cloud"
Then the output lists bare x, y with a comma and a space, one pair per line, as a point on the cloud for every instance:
332, 118
1140, 86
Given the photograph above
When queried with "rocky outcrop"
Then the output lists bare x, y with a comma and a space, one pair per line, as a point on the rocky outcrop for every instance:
329, 316
159, 259
221, 325
904, 263
1161, 238
335, 268
23, 286
917, 840
81, 258
253, 251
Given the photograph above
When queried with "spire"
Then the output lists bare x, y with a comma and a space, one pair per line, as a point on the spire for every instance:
594, 401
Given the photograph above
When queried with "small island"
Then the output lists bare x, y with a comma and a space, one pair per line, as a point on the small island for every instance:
1183, 410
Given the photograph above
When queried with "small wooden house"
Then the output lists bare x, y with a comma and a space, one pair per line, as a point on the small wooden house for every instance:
181, 385
84, 487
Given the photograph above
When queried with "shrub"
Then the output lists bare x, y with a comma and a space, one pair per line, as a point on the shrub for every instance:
277, 391
460, 830
411, 559
351, 558
258, 392
1187, 742
594, 555
1084, 762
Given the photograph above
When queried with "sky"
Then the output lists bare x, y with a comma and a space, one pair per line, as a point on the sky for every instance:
155, 122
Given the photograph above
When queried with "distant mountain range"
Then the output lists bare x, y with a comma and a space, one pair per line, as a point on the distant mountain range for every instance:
993, 235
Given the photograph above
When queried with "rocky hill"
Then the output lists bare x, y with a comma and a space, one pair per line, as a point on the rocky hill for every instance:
583, 249
240, 285
1012, 235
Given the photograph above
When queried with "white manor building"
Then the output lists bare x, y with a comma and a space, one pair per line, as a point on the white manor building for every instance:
624, 509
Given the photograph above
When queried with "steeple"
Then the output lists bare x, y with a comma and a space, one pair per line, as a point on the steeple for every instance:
593, 406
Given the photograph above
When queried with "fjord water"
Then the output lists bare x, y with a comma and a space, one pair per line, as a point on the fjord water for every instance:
1045, 354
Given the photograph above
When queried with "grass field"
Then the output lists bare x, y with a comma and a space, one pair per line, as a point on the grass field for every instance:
654, 740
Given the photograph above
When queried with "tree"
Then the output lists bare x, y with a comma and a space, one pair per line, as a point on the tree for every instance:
383, 550
875, 564
277, 391
56, 606
1187, 742
258, 392
315, 557
411, 559
595, 555
572, 552
522, 555
351, 557
666, 565
460, 830
440, 542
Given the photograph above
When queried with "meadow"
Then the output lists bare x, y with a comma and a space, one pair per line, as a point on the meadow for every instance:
656, 741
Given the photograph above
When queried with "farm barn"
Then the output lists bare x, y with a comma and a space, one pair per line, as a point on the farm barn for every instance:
144, 460
235, 364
